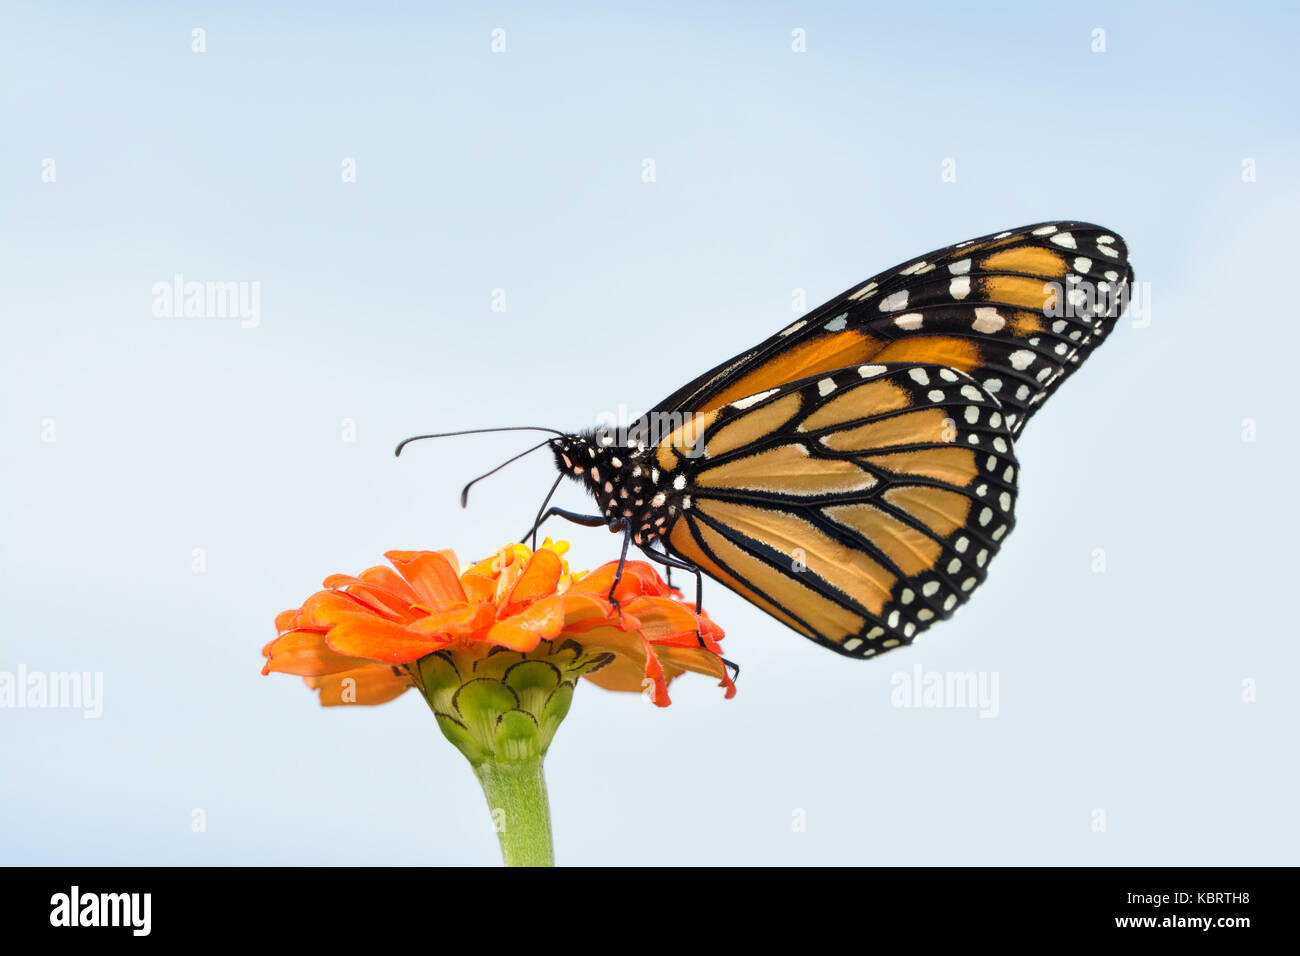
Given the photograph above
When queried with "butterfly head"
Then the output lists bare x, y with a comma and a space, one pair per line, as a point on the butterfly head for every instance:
625, 480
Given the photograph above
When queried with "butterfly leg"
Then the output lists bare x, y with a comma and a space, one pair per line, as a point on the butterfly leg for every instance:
545, 501
670, 563
593, 521
618, 574
588, 521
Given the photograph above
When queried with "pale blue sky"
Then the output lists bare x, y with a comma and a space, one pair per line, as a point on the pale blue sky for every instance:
776, 170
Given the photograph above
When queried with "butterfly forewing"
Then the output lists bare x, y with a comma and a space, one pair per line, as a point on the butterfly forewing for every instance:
854, 474
1018, 310
858, 507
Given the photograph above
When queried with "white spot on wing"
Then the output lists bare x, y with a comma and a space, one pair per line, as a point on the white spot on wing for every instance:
1021, 359
892, 303
987, 320
753, 399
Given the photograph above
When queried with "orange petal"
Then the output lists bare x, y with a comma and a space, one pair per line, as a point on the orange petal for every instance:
305, 653
654, 670
630, 645
388, 579
695, 659
487, 568
627, 673
663, 618
430, 575
463, 620
478, 587
386, 603
586, 610
522, 631
678, 660
368, 685
508, 574
539, 578
597, 580
372, 637
638, 579
327, 608
621, 674
647, 577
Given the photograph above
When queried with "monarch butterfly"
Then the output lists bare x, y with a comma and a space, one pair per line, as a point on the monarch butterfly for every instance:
854, 474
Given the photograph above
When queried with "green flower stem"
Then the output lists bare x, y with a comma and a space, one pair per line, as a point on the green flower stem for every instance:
516, 796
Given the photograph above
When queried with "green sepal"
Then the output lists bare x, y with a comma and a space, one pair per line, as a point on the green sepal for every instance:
463, 740
518, 737
480, 704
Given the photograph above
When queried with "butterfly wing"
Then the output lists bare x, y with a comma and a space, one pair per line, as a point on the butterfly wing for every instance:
1018, 311
858, 507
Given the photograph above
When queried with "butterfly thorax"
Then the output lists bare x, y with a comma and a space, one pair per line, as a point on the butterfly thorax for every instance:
626, 481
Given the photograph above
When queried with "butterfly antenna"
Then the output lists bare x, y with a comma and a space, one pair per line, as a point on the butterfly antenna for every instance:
464, 492
477, 431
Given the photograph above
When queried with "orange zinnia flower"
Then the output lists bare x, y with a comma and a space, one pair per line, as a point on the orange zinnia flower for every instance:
362, 639
496, 651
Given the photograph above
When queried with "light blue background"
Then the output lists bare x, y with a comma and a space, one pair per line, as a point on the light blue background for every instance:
1119, 691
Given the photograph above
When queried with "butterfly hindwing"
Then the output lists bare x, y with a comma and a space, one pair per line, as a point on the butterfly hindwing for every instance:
858, 507
1018, 310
